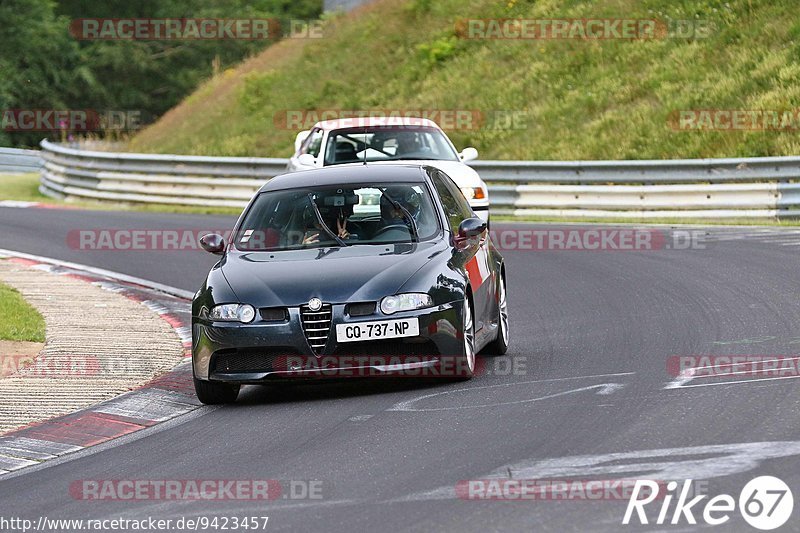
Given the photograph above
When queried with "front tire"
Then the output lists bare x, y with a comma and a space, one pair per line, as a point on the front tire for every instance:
466, 369
216, 393
499, 346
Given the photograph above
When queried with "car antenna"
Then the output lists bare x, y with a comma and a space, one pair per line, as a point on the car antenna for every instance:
365, 144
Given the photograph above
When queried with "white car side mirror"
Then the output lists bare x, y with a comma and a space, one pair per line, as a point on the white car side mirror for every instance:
468, 154
298, 141
307, 160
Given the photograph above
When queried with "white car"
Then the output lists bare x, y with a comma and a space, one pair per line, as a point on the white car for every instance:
387, 140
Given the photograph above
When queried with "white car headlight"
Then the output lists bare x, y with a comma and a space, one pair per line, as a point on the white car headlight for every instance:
233, 313
405, 302
473, 193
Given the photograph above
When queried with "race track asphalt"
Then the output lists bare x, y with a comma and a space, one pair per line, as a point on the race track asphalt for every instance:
592, 334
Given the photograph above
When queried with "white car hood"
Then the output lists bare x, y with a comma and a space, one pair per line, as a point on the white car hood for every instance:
462, 174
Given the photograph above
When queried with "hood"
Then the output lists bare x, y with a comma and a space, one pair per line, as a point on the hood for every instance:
463, 174
334, 275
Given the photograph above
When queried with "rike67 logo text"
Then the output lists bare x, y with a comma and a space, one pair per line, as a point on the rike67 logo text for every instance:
765, 503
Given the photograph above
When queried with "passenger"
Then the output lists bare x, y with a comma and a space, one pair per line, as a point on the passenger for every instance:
334, 218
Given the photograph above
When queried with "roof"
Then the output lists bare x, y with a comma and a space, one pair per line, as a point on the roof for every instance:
367, 122
356, 173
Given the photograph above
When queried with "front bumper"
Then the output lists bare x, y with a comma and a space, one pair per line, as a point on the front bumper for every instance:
273, 351
481, 208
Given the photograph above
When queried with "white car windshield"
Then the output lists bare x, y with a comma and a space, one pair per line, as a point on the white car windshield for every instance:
388, 143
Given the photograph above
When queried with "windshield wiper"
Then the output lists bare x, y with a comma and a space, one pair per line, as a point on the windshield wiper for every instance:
322, 222
397, 205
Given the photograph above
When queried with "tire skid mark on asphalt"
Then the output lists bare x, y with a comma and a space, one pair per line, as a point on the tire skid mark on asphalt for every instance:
164, 398
691, 462
360, 418
779, 236
166, 509
679, 383
604, 389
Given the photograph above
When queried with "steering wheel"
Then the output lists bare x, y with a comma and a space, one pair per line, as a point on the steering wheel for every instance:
394, 227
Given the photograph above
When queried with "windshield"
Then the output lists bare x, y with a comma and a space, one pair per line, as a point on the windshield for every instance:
338, 216
388, 143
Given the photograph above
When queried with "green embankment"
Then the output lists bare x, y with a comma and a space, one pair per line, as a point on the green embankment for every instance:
577, 99
20, 322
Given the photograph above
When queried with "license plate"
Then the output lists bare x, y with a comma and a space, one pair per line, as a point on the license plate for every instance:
385, 329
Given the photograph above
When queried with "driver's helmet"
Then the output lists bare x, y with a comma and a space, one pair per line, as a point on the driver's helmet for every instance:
378, 139
406, 142
405, 196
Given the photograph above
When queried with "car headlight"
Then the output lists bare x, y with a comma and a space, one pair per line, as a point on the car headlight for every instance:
405, 302
233, 313
473, 193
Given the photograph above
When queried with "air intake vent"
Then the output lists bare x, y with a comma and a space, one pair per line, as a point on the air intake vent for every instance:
316, 325
361, 309
274, 314
251, 360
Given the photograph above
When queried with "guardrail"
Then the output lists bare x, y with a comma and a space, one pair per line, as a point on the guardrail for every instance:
14, 160
695, 188
147, 178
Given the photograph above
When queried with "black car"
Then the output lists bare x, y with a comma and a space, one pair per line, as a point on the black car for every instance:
358, 270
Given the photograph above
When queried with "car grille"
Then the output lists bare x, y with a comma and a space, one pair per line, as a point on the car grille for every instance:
251, 360
317, 326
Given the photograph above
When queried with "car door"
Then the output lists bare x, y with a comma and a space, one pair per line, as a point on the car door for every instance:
473, 258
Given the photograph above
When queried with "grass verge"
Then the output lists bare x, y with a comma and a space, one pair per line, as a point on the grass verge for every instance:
21, 322
25, 187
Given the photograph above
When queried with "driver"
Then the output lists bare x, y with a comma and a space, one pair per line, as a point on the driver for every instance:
406, 143
391, 215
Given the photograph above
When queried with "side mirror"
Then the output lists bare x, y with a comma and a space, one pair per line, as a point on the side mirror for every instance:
298, 141
307, 160
468, 154
213, 243
469, 229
